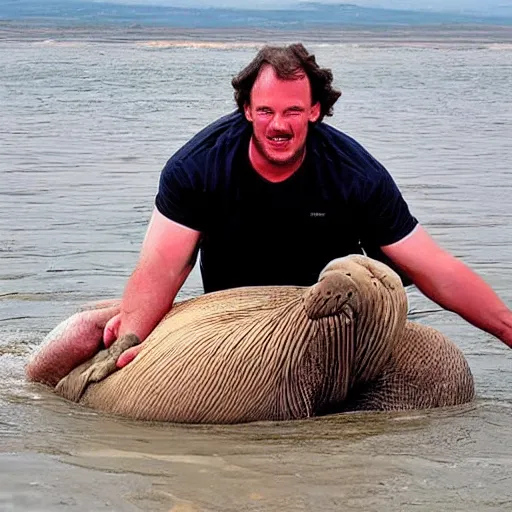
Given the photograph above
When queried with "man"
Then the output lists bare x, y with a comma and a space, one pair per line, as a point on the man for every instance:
270, 194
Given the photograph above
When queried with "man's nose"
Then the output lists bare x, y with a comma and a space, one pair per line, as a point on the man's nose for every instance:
278, 123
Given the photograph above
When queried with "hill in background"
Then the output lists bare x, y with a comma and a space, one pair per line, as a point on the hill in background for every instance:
305, 16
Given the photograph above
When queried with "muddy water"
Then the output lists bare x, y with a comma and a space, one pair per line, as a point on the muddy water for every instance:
86, 128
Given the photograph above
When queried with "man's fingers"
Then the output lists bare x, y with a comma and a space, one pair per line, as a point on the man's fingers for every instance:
128, 356
111, 331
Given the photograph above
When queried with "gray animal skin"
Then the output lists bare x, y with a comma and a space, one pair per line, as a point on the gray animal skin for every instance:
266, 353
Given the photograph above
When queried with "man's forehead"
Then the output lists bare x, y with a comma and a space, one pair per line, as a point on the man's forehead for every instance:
268, 74
268, 83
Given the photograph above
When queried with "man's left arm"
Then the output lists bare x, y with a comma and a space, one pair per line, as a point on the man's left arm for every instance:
450, 283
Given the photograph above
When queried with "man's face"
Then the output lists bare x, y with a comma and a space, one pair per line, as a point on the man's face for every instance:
280, 111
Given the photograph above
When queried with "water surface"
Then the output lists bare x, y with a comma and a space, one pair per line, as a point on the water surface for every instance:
86, 128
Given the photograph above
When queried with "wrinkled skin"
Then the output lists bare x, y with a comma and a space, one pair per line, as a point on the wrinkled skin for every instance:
264, 353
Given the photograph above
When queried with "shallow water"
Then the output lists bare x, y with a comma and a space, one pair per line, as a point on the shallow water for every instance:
86, 128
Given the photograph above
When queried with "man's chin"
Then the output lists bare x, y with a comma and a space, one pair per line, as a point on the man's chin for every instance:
283, 160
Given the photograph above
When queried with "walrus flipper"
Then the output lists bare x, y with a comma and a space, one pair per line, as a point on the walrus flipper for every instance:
73, 385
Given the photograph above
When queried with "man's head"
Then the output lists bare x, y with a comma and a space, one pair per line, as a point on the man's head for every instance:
280, 92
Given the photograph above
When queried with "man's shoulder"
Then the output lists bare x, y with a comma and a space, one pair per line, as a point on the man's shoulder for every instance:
221, 136
340, 152
327, 138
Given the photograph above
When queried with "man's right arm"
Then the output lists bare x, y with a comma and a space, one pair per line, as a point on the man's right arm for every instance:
166, 259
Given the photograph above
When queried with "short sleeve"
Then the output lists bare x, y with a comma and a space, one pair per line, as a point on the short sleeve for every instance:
386, 215
180, 195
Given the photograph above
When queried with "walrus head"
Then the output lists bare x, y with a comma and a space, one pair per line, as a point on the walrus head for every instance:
371, 296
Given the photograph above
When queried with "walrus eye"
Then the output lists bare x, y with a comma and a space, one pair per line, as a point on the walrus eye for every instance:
348, 274
349, 294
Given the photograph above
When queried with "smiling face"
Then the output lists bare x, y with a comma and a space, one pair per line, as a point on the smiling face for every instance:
280, 112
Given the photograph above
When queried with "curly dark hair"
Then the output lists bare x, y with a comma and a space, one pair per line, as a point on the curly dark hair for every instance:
289, 62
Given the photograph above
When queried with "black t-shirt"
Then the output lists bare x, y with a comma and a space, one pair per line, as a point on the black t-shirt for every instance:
255, 232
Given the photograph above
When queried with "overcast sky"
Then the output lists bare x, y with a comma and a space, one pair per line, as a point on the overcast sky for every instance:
475, 5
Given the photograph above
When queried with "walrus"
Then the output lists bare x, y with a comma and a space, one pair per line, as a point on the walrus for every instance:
264, 353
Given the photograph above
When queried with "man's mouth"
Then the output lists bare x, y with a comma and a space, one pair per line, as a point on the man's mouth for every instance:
279, 139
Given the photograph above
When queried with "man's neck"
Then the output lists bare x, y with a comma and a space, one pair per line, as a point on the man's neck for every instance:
269, 171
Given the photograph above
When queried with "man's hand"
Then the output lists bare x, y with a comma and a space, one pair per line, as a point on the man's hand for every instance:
111, 334
128, 356
111, 331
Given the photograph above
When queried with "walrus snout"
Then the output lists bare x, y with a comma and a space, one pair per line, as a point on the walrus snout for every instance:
330, 295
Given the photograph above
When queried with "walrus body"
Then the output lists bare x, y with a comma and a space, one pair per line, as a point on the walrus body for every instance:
269, 353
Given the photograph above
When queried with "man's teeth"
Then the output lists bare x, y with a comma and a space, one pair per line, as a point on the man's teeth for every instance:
279, 139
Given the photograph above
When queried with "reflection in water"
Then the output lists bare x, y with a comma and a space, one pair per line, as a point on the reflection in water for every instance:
86, 129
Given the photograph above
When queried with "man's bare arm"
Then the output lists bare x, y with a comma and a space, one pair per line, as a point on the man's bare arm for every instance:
166, 259
451, 284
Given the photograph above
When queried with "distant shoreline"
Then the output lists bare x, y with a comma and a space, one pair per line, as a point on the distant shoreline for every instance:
444, 35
